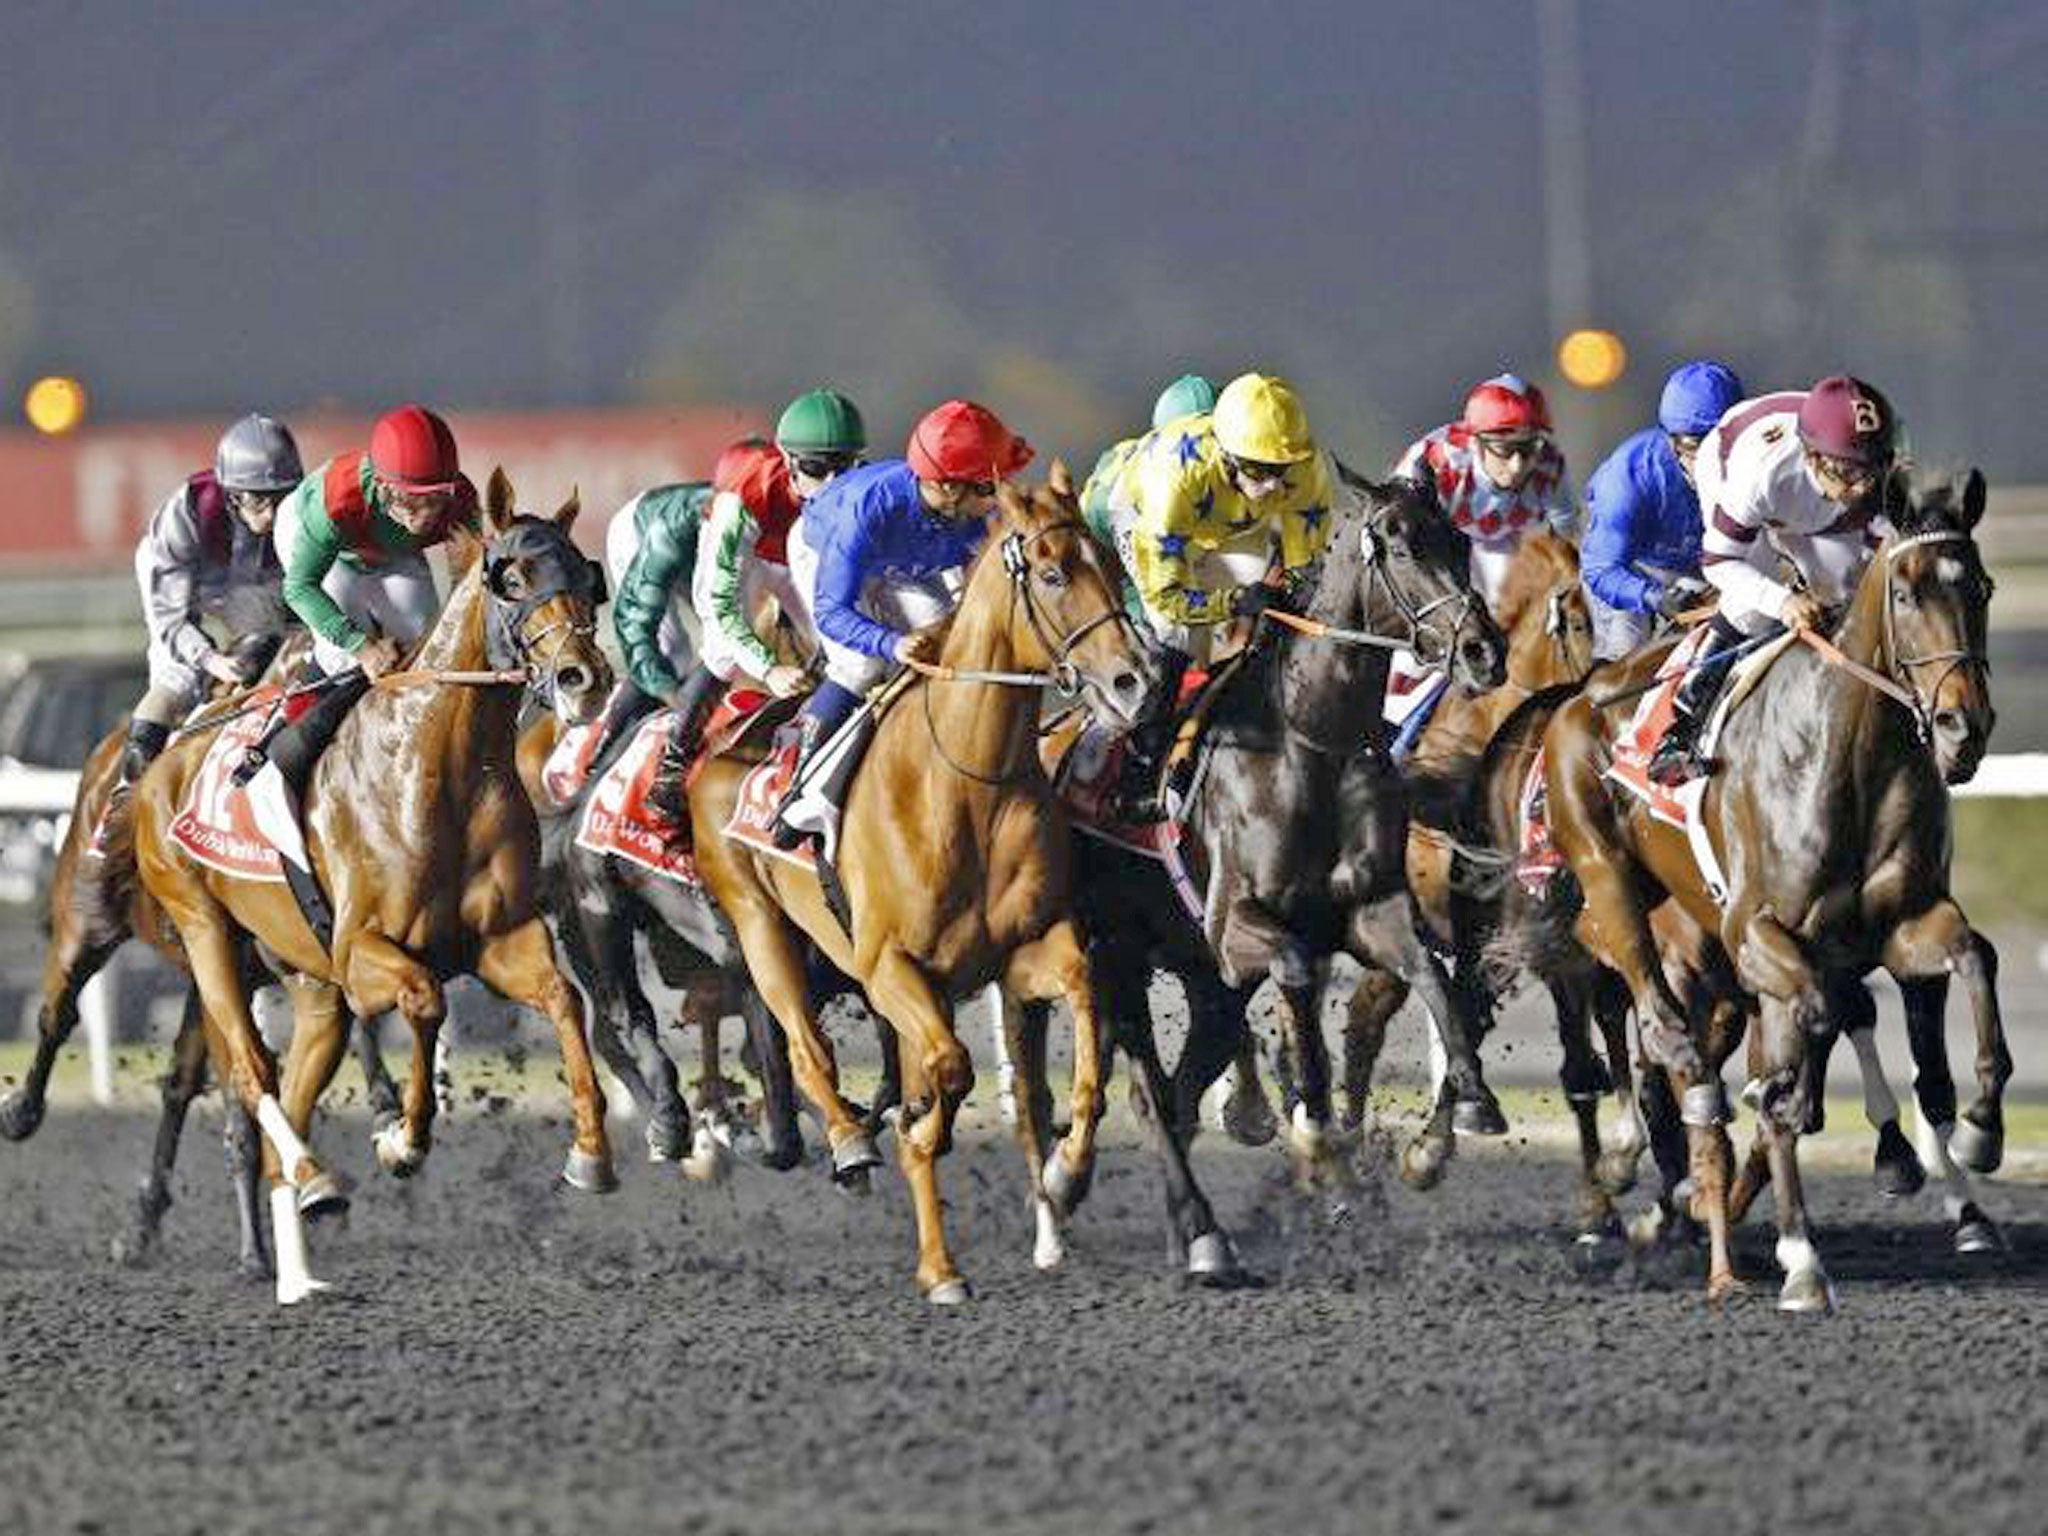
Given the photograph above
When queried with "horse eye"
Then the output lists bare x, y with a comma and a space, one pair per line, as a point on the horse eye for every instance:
1052, 576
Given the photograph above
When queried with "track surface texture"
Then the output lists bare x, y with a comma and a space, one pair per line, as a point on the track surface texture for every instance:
501, 1356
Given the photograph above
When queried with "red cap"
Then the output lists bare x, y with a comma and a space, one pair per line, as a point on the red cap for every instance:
964, 441
411, 448
754, 470
1507, 403
1845, 418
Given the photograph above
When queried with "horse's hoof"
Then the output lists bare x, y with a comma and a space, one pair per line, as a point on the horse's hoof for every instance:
1597, 1228
950, 1293
1049, 1245
20, 1115
1706, 1104
1615, 1171
1977, 1233
859, 1183
290, 1295
1807, 1290
1424, 1163
854, 1154
1896, 1171
325, 1194
1063, 1189
1979, 1149
1479, 1116
1723, 1289
1210, 1259
1248, 1119
782, 1153
396, 1154
666, 1139
591, 1172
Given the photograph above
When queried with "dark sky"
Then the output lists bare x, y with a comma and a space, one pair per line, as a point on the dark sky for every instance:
1059, 205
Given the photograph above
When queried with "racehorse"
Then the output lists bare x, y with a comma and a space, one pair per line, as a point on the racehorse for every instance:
425, 842
598, 902
95, 905
1298, 822
953, 858
1466, 777
1829, 817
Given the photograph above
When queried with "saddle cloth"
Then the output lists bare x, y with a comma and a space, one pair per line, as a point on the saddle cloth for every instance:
618, 821
753, 812
569, 764
1086, 779
215, 825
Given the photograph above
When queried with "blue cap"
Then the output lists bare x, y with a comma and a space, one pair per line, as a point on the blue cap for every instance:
1696, 397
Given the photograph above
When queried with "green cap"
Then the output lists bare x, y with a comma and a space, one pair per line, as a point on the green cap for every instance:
823, 421
1187, 395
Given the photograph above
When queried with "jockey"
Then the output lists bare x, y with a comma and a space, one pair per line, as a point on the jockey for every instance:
208, 551
650, 554
1642, 552
352, 539
759, 492
1497, 472
1201, 507
878, 554
1188, 395
1808, 467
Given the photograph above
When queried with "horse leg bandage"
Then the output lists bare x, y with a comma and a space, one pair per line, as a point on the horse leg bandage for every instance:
291, 1151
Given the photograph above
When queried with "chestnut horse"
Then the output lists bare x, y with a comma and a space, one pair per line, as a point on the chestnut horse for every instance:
1829, 817
953, 856
96, 904
1461, 846
425, 842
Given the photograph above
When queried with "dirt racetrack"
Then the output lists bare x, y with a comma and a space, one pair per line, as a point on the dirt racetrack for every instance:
502, 1357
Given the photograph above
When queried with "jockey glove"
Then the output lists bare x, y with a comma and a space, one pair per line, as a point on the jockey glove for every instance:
1256, 599
1681, 597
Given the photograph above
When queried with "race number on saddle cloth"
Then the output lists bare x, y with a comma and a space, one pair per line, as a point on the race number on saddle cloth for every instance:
215, 824
1498, 473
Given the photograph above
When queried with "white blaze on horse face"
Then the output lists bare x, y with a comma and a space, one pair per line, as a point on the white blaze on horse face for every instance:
1949, 569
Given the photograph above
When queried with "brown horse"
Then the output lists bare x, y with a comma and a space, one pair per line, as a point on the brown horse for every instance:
954, 859
425, 843
1829, 817
1461, 841
96, 904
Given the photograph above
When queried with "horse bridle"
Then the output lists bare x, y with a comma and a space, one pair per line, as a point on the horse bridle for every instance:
572, 576
1923, 710
1064, 677
1372, 548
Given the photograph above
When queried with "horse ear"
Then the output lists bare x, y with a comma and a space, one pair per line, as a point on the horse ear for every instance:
565, 514
1060, 478
498, 512
1011, 503
1973, 500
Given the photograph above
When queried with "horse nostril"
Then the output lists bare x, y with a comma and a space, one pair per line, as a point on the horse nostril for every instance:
572, 679
1950, 722
1126, 684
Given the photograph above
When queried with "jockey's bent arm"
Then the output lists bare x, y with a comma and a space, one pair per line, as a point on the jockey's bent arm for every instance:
733, 533
1168, 516
663, 563
314, 547
842, 572
175, 556
1620, 512
1737, 558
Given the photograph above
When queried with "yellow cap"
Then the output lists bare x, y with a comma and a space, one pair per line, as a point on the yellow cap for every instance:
1260, 418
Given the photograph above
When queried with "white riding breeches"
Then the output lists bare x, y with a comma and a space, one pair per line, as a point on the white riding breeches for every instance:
760, 581
904, 603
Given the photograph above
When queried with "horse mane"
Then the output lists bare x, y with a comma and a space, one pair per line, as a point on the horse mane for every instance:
1543, 561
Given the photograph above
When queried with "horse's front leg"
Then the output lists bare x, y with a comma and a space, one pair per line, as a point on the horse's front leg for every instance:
1940, 942
1056, 966
378, 974
521, 965
320, 1029
941, 1076
1926, 1001
1021, 1029
1782, 1113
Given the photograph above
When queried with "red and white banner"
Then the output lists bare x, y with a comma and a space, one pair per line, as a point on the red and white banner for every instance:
78, 503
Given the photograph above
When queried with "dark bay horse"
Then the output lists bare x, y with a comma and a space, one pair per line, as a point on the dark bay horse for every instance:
1829, 817
425, 842
1297, 822
1466, 778
954, 859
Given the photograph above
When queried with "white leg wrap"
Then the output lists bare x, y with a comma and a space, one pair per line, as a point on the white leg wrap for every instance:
290, 1150
295, 1280
1439, 1063
1309, 1133
1796, 1255
1955, 1184
1880, 1105
1049, 1248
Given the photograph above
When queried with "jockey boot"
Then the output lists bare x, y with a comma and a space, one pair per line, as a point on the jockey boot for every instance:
276, 790
1138, 798
146, 738
685, 737
812, 734
1678, 756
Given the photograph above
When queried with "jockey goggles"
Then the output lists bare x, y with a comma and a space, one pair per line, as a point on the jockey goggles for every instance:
823, 466
1508, 449
1255, 471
